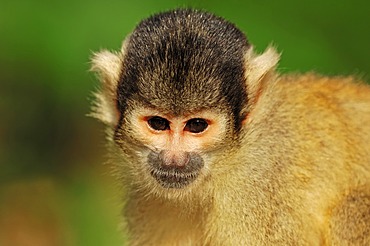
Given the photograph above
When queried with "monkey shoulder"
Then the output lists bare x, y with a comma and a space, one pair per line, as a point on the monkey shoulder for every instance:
350, 87
316, 94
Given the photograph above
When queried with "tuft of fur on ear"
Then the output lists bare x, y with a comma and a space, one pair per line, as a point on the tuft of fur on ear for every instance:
108, 66
259, 69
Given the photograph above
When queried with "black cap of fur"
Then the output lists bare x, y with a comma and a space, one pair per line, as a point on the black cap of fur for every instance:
185, 60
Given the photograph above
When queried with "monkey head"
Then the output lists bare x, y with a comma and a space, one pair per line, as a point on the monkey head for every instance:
177, 96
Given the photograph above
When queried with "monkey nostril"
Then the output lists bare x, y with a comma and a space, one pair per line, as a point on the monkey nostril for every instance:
178, 159
182, 160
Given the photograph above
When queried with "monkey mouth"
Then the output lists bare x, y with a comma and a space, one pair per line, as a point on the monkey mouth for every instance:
174, 177
177, 177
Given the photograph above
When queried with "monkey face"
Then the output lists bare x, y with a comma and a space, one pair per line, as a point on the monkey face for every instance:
175, 147
180, 94
175, 97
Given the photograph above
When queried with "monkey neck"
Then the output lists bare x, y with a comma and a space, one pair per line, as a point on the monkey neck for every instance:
163, 219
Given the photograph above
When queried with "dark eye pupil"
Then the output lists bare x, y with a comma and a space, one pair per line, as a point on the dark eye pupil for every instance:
159, 123
196, 125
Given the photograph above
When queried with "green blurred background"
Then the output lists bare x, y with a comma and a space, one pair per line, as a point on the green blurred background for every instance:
54, 189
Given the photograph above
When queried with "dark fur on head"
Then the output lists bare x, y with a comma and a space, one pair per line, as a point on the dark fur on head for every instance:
185, 60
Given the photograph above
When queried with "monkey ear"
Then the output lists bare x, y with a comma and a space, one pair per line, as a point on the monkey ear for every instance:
108, 66
258, 70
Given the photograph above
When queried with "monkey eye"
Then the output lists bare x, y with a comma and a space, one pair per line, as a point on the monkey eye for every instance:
196, 125
158, 123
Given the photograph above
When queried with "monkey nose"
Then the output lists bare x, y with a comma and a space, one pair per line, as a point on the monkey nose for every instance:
174, 158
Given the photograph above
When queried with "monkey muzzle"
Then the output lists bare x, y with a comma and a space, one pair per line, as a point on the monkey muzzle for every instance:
176, 171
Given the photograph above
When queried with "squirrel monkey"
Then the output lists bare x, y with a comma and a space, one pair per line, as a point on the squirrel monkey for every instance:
214, 147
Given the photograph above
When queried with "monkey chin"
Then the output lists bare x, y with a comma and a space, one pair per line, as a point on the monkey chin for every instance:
172, 176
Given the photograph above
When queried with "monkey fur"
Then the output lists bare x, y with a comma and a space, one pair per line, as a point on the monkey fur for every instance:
287, 164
